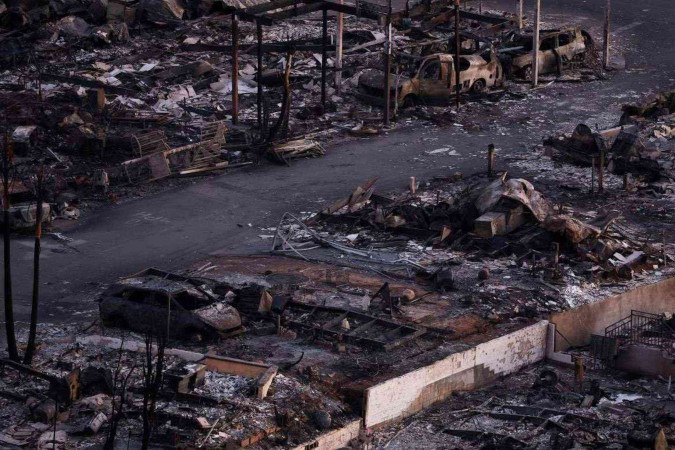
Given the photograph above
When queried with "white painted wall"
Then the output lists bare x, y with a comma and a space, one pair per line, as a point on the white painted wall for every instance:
388, 400
402, 396
510, 352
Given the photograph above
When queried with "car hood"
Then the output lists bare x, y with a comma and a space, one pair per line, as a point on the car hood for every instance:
220, 316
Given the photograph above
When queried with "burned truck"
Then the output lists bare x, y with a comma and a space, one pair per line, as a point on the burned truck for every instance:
430, 79
558, 50
159, 302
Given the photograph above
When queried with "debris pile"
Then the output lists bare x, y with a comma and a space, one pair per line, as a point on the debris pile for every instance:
642, 145
459, 221
545, 406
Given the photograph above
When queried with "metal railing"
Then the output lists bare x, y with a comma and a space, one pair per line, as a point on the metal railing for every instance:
642, 328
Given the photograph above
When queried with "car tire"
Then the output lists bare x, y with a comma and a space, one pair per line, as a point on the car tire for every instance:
479, 86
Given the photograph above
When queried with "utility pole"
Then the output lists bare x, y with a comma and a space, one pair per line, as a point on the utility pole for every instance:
387, 66
457, 43
235, 69
520, 14
535, 44
605, 50
338, 51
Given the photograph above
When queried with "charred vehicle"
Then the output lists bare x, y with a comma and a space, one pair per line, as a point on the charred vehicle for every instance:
140, 303
431, 79
558, 49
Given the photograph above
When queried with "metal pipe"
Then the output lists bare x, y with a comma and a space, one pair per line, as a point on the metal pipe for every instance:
235, 69
535, 44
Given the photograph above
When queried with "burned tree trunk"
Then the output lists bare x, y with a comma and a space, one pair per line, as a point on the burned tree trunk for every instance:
9, 304
153, 371
39, 198
281, 126
119, 386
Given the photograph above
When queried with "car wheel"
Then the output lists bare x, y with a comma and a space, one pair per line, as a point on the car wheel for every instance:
479, 86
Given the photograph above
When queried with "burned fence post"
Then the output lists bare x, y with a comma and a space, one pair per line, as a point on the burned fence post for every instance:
338, 50
520, 14
535, 44
457, 44
605, 48
324, 57
235, 69
387, 66
258, 26
491, 161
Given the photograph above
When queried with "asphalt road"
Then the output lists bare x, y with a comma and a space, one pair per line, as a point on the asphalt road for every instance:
178, 227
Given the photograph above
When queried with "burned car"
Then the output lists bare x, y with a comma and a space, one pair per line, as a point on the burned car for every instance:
140, 303
558, 49
431, 79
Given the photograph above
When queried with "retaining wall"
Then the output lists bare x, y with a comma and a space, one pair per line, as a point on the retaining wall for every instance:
403, 396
